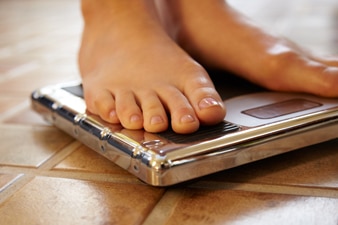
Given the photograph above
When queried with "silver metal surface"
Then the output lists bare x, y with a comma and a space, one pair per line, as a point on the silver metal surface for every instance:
159, 161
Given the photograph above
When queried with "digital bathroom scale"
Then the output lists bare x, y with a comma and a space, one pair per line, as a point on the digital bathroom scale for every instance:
258, 124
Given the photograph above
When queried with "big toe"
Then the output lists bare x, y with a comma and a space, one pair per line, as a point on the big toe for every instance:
210, 110
205, 100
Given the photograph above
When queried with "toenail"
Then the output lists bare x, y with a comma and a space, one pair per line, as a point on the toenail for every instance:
207, 102
135, 118
156, 120
112, 114
187, 119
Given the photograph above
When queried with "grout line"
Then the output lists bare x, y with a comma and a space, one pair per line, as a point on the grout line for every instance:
14, 110
69, 174
60, 155
329, 192
19, 71
165, 207
14, 186
10, 182
26, 174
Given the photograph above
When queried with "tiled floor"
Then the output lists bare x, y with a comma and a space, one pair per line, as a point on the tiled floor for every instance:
46, 177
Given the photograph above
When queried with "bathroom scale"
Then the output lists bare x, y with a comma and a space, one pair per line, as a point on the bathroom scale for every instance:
258, 124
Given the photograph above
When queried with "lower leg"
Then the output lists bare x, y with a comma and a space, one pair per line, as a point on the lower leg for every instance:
218, 36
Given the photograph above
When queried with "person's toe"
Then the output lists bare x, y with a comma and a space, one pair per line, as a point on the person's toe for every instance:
128, 110
183, 117
154, 114
205, 100
102, 103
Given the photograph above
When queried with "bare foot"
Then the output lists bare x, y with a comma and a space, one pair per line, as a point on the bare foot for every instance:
134, 74
216, 35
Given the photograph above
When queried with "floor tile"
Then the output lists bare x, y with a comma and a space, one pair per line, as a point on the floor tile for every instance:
236, 207
8, 64
64, 201
87, 160
26, 116
9, 102
23, 85
30, 146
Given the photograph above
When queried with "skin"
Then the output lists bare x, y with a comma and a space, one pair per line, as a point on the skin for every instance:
142, 62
